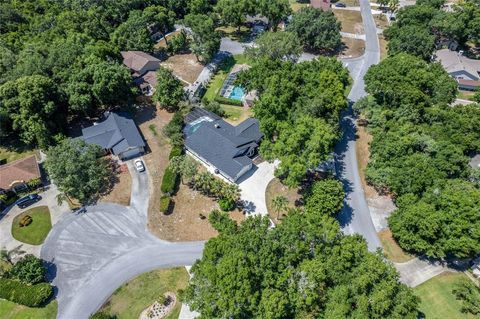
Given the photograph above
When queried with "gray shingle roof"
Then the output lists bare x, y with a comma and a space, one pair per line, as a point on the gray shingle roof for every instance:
117, 132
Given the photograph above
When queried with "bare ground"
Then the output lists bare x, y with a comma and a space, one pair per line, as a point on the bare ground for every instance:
352, 48
383, 46
122, 187
275, 188
381, 21
184, 66
351, 21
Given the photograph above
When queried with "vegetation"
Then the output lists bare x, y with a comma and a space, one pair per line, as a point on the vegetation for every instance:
300, 122
165, 203
469, 294
29, 270
257, 272
78, 169
205, 39
130, 299
169, 90
10, 309
214, 107
34, 230
316, 29
174, 130
226, 204
419, 154
325, 197
23, 294
169, 181
275, 45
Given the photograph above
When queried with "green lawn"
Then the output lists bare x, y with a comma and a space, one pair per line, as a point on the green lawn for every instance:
15, 152
10, 310
437, 300
37, 231
465, 95
133, 297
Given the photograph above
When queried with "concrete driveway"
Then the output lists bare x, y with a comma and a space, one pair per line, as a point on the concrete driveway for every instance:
92, 254
253, 186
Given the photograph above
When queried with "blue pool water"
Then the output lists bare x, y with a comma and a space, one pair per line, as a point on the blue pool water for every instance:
237, 93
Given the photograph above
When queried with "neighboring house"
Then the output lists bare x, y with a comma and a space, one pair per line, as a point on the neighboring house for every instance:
466, 71
320, 4
117, 135
14, 176
142, 67
226, 148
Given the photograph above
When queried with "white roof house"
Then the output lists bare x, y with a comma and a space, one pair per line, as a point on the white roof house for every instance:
466, 71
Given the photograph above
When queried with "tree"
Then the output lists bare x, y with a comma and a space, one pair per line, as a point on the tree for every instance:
160, 19
185, 166
169, 90
275, 45
476, 97
415, 40
133, 34
33, 104
275, 11
29, 269
325, 197
469, 294
233, 12
205, 40
303, 268
279, 204
318, 30
78, 169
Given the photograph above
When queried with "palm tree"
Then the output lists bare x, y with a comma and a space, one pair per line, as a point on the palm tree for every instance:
279, 204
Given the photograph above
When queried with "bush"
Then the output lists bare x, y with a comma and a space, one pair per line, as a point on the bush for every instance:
165, 203
8, 198
25, 221
34, 183
177, 150
214, 107
178, 43
169, 181
224, 100
29, 269
103, 315
27, 295
226, 204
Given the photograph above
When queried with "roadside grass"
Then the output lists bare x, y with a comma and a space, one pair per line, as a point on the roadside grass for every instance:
437, 299
383, 47
351, 20
11, 310
37, 231
465, 95
15, 151
276, 188
391, 249
133, 297
352, 48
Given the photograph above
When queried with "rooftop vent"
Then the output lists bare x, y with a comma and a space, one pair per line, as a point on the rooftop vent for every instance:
217, 125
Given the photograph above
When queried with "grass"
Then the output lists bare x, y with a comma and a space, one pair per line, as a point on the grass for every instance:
133, 297
37, 231
236, 114
10, 310
232, 33
383, 47
15, 152
351, 20
295, 5
465, 95
437, 299
391, 249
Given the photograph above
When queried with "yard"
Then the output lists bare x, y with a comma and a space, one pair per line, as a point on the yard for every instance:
351, 20
391, 249
10, 153
122, 186
232, 32
236, 114
295, 5
162, 43
184, 66
133, 297
465, 95
10, 310
437, 299
352, 48
276, 188
36, 232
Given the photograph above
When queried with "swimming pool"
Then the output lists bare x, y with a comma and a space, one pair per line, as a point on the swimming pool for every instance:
237, 93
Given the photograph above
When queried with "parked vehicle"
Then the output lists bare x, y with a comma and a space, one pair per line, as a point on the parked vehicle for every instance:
340, 5
139, 165
28, 200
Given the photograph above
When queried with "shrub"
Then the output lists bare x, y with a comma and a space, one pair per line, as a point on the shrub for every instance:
178, 43
214, 107
25, 221
224, 100
27, 295
169, 181
29, 270
177, 150
103, 315
34, 183
8, 198
165, 203
226, 204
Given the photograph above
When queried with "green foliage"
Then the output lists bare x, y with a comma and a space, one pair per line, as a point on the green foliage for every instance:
169, 90
303, 268
102, 315
214, 107
275, 45
225, 100
29, 270
185, 166
469, 294
325, 197
165, 203
78, 169
174, 130
34, 183
27, 295
233, 12
176, 151
414, 40
317, 30
205, 40
169, 181
226, 204
178, 44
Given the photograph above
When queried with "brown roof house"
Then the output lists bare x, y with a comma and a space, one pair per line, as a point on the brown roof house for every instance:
466, 71
14, 176
142, 67
320, 4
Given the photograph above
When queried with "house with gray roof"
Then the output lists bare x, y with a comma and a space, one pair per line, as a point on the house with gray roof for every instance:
226, 148
466, 71
117, 135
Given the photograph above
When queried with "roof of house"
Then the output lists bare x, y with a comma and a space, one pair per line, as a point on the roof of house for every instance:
453, 61
148, 79
221, 143
469, 82
23, 170
117, 132
136, 60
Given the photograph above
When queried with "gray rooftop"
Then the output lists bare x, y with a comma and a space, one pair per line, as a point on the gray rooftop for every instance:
117, 132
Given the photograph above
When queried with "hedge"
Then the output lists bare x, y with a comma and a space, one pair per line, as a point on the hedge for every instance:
165, 202
169, 181
226, 204
177, 150
27, 295
224, 100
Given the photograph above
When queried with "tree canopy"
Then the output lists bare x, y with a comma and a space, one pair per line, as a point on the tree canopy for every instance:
276, 46
169, 90
302, 268
205, 39
325, 197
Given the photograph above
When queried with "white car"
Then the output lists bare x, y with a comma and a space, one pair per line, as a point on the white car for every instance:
139, 165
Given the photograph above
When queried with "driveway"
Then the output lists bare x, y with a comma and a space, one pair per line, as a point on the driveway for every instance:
417, 271
253, 186
92, 254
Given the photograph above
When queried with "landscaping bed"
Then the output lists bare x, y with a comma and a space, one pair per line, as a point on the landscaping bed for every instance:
37, 230
133, 297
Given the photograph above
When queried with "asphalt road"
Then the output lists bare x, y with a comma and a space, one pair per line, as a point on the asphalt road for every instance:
355, 216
